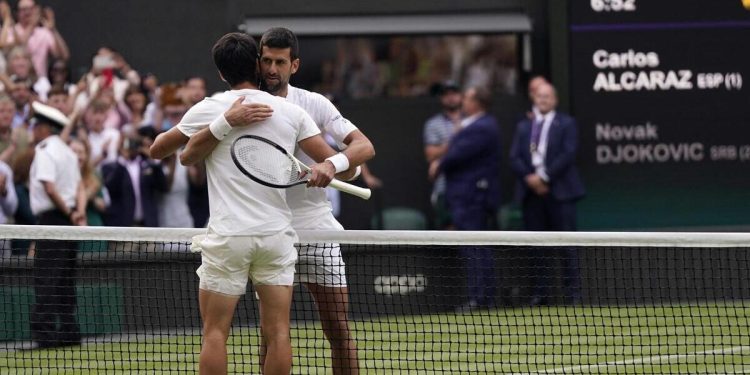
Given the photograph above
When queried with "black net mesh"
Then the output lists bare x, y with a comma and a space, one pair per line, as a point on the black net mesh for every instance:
131, 307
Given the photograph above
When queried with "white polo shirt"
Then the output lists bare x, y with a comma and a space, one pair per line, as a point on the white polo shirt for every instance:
308, 204
55, 162
238, 205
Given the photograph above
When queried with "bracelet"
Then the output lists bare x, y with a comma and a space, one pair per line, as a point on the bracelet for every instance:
220, 127
340, 162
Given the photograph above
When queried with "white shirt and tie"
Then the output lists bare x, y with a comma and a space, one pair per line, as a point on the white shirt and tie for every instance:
539, 152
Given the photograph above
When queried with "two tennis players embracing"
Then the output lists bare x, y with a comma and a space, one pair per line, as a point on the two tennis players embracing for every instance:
251, 232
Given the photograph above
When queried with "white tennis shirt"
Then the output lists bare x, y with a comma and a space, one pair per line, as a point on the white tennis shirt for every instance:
238, 205
309, 204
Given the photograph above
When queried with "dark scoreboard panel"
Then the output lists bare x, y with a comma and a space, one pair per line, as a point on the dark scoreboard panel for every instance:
660, 91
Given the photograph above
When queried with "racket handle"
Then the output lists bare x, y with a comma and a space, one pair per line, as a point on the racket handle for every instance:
350, 189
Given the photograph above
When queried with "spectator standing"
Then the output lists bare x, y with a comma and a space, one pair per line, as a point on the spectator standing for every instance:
104, 141
172, 106
12, 141
20, 68
8, 198
37, 30
57, 198
20, 92
472, 172
135, 108
21, 168
150, 86
96, 198
133, 182
534, 84
438, 131
8, 204
174, 211
543, 158
175, 101
59, 75
194, 90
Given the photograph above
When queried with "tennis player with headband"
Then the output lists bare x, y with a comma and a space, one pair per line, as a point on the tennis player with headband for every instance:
249, 233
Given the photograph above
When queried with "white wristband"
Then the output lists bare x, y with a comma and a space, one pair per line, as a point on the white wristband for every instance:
220, 127
357, 172
339, 161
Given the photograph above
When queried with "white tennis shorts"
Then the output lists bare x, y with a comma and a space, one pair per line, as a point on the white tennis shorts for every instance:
320, 263
228, 262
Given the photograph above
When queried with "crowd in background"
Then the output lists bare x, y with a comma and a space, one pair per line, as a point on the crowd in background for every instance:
115, 113
400, 66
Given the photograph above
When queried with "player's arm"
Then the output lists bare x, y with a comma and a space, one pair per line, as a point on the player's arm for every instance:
317, 148
167, 143
359, 149
203, 142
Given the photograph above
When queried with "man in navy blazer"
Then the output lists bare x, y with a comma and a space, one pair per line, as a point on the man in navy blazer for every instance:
543, 157
127, 208
471, 166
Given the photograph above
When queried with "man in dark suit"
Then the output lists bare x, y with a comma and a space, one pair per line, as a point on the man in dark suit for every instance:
133, 182
472, 193
543, 157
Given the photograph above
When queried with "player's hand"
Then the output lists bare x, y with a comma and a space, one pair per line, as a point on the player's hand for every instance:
321, 174
241, 114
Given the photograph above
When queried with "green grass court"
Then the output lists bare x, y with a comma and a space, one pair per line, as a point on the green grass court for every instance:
696, 338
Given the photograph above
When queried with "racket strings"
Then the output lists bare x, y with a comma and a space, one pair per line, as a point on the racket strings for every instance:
267, 163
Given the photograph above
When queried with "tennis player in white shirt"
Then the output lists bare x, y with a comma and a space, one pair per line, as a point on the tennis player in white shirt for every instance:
249, 233
320, 266
320, 269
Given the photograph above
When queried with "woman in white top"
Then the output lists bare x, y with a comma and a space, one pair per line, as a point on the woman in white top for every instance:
173, 207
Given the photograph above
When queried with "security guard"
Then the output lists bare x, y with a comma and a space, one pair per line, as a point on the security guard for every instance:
57, 198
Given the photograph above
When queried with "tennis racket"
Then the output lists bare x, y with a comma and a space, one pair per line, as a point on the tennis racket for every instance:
269, 164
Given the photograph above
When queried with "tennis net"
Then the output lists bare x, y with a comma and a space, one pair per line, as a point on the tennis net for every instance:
124, 300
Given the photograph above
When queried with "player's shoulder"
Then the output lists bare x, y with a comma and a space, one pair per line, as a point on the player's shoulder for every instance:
307, 94
289, 106
307, 99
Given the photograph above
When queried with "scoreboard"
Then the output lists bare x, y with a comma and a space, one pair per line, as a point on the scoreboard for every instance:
660, 92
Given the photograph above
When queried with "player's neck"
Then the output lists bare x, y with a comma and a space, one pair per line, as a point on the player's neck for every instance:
244, 86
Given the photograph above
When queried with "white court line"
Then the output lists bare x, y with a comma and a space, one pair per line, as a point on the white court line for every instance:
638, 361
